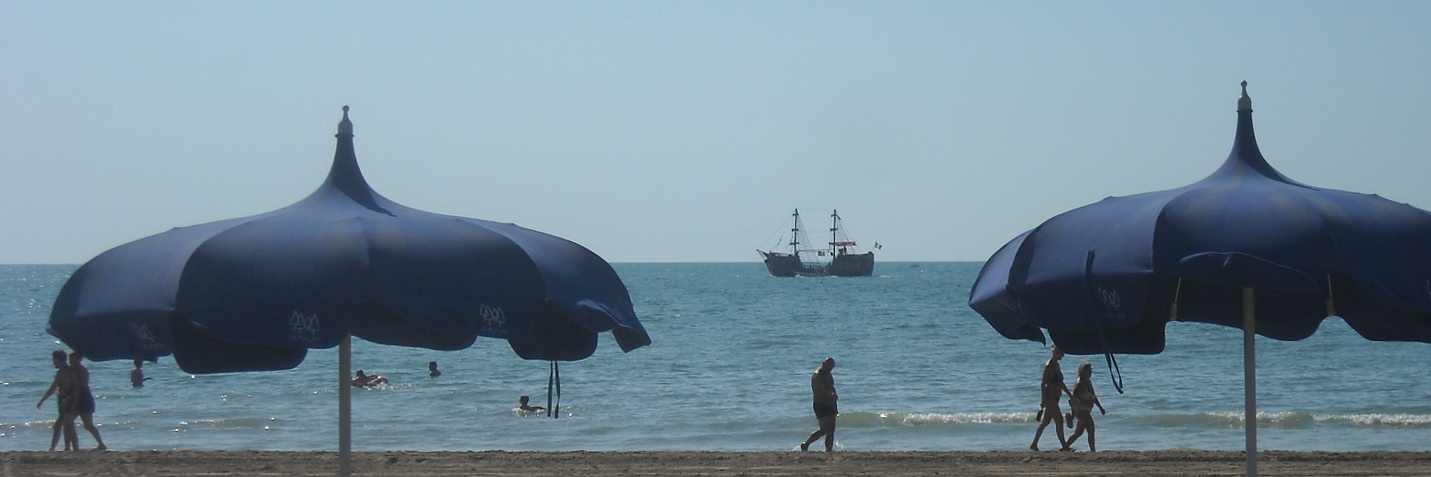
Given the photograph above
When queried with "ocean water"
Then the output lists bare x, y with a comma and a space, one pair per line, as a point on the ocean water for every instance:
729, 370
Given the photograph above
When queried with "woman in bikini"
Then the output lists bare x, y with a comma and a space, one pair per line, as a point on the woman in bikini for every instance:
1082, 402
62, 388
1051, 390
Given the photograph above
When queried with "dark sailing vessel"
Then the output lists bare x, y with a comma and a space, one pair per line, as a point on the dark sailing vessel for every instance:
844, 261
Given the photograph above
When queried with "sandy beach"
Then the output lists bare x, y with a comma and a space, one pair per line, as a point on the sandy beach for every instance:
499, 463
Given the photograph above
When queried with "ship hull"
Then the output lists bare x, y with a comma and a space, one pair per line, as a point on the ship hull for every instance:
786, 265
861, 265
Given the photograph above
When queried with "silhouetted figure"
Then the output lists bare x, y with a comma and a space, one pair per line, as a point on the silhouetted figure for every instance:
528, 409
136, 375
1051, 390
1082, 403
822, 386
63, 389
84, 399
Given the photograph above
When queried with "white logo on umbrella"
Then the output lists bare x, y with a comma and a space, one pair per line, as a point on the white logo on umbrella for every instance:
493, 316
1112, 304
146, 337
1110, 299
304, 324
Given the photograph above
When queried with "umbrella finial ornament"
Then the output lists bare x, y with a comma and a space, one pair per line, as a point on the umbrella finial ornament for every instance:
345, 126
1244, 103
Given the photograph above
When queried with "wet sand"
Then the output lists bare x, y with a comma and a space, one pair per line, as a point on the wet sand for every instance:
690, 464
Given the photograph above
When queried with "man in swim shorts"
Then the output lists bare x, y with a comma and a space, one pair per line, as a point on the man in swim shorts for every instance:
822, 386
84, 399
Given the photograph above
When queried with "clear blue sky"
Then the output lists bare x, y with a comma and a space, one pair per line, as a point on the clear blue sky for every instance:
687, 131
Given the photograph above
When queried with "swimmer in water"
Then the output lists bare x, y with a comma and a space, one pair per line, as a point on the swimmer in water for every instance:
528, 409
136, 376
368, 380
362, 380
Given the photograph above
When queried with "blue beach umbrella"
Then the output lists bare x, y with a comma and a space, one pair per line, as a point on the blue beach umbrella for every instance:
255, 293
1245, 247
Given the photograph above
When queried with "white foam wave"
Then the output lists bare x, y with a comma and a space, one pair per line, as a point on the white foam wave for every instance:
1290, 420
922, 419
1381, 420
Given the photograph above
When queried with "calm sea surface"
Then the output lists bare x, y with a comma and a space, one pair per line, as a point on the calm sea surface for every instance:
729, 370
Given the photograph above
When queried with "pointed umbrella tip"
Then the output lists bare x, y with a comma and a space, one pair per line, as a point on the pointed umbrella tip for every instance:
345, 126
1244, 103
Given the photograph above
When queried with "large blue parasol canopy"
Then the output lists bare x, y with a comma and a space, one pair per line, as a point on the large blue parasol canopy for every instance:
255, 293
1109, 276
1245, 247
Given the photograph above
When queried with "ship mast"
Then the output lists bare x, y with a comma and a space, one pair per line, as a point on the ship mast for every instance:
834, 231
795, 235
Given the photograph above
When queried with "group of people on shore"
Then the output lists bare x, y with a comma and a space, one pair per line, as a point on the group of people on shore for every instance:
1081, 401
71, 390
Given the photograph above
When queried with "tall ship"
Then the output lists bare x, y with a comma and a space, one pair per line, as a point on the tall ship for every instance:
839, 258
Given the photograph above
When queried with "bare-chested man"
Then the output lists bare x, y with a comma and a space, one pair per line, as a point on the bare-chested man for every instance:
83, 398
136, 375
822, 385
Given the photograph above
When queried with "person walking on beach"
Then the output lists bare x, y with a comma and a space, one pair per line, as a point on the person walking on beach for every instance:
83, 399
62, 387
822, 385
1082, 402
1051, 389
136, 375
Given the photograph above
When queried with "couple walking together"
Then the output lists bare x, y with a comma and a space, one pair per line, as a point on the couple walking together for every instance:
71, 389
1081, 400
